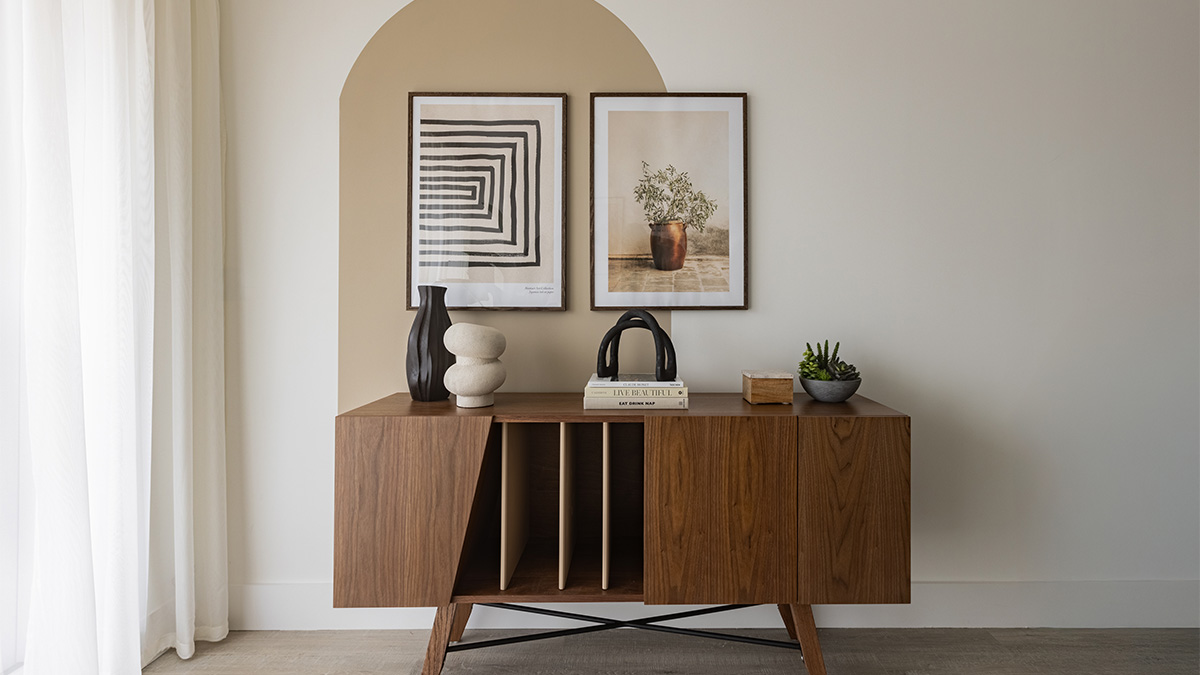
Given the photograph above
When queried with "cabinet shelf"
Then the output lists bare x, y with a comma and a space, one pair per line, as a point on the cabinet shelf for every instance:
535, 578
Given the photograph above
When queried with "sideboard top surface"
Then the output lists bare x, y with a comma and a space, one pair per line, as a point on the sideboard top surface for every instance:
568, 407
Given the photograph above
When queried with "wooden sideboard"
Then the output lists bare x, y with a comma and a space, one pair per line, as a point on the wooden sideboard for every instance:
537, 500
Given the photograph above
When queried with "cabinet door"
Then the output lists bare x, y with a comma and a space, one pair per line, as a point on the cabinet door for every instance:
720, 510
403, 493
854, 510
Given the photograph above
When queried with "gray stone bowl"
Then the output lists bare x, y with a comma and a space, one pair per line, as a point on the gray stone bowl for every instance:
830, 392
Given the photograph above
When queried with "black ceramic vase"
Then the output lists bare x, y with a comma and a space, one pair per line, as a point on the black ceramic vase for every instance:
428, 359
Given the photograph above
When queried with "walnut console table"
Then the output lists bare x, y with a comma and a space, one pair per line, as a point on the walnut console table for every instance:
538, 500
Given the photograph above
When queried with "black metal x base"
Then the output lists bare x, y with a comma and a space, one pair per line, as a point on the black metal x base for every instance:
647, 623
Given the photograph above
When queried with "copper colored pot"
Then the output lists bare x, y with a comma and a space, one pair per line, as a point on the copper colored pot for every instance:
668, 244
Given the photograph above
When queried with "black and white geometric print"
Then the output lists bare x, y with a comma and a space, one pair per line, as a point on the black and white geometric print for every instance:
479, 187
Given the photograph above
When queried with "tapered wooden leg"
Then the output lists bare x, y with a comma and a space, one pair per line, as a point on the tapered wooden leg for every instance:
460, 622
439, 638
806, 635
785, 611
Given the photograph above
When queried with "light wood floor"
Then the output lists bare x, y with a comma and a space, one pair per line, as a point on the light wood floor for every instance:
847, 652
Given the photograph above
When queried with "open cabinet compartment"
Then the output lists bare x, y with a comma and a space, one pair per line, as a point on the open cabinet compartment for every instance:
564, 514
622, 507
532, 497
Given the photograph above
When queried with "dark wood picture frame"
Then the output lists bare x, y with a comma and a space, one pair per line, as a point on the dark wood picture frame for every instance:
738, 281
518, 137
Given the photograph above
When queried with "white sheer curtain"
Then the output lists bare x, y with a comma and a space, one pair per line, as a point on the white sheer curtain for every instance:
112, 477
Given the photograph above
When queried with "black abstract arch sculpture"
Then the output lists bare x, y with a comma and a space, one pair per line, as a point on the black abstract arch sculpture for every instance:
664, 349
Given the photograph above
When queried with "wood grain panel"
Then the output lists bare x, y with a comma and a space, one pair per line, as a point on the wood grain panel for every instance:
720, 509
627, 479
568, 407
543, 441
854, 510
404, 488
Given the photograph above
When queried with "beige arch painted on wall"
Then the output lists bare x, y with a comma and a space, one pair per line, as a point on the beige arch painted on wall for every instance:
572, 46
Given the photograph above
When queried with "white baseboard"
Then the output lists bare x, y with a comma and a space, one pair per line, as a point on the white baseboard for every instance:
1053, 604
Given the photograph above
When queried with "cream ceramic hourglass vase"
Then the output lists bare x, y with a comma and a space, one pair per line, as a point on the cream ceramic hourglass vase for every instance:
477, 372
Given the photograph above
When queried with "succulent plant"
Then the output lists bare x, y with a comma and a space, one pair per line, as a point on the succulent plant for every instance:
824, 365
843, 371
810, 369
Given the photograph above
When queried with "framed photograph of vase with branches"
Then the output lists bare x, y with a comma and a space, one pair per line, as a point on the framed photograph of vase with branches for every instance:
669, 205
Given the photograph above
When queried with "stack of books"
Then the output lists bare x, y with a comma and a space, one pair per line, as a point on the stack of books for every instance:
639, 390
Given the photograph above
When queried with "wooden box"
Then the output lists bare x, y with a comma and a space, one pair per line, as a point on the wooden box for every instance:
767, 386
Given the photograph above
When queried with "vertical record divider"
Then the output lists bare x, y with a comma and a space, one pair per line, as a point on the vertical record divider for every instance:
566, 502
514, 498
605, 511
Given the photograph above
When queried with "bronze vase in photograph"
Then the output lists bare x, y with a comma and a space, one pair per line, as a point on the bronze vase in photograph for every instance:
668, 244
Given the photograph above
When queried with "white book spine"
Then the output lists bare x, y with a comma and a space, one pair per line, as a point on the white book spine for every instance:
636, 392
632, 383
637, 380
601, 403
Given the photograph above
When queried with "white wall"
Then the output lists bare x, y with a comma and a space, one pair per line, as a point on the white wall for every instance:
993, 205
